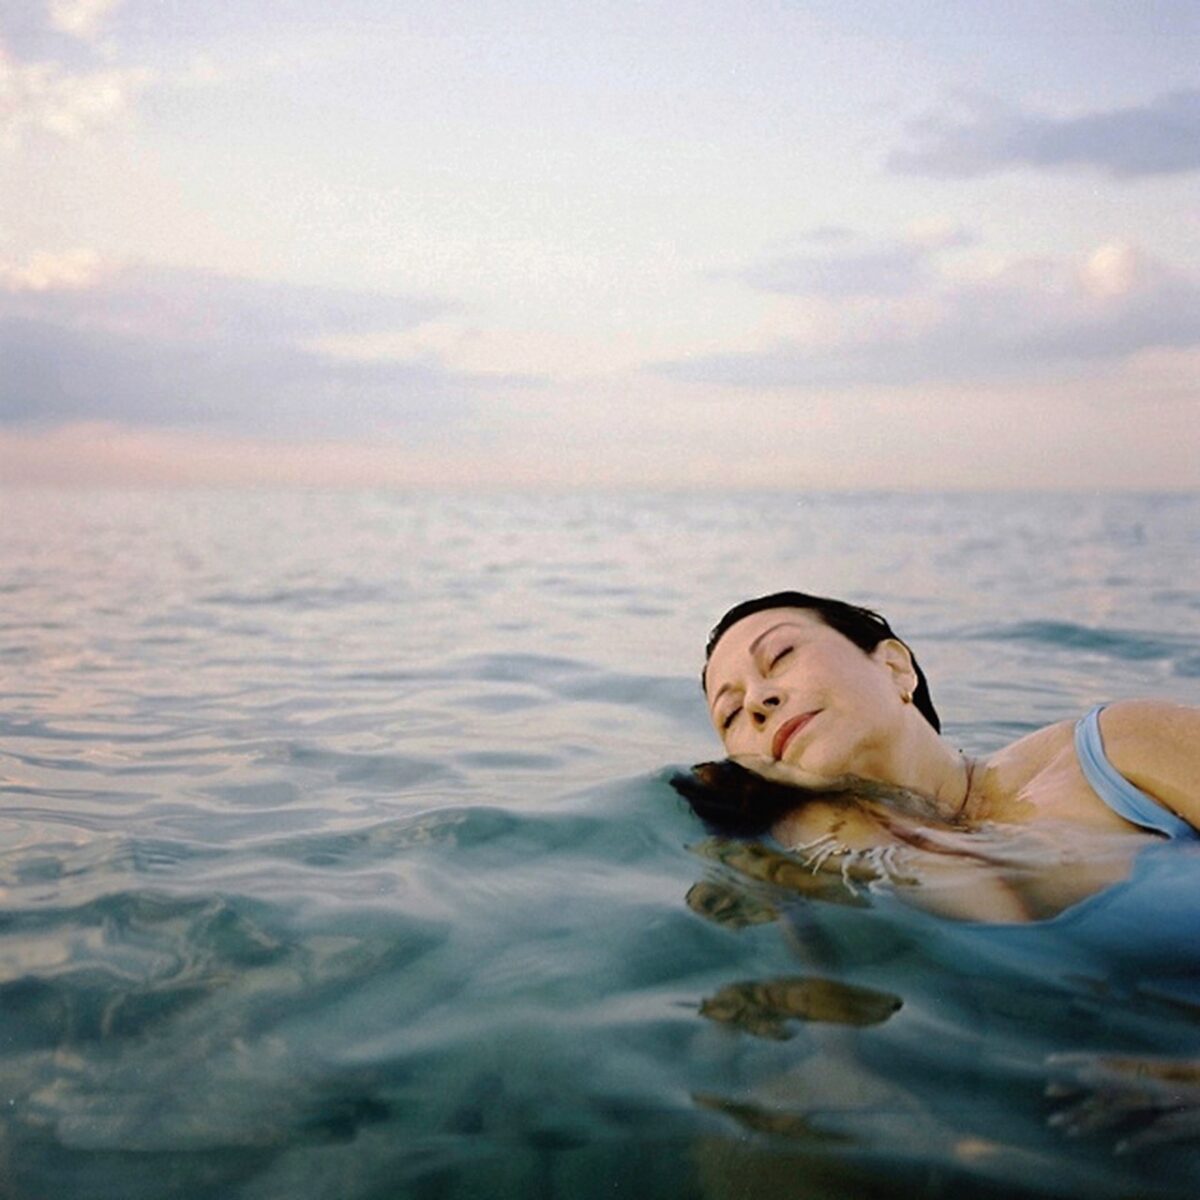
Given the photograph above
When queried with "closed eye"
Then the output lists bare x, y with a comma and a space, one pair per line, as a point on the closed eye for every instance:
725, 724
779, 657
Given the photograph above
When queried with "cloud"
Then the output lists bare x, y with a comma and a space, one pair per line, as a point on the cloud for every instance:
45, 98
836, 263
194, 349
1111, 270
885, 270
54, 375
81, 18
1158, 138
1029, 319
175, 304
829, 234
938, 233
51, 272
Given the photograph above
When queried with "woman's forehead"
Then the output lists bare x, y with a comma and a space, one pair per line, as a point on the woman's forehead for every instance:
737, 643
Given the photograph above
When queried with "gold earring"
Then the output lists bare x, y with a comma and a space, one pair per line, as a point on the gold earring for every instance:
906, 697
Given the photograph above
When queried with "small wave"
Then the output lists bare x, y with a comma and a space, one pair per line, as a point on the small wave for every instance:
520, 668
507, 760
380, 841
299, 598
1125, 644
376, 771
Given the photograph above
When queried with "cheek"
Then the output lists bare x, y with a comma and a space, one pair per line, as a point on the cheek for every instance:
737, 739
853, 676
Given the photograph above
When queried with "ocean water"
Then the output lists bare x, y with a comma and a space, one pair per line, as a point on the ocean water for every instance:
338, 857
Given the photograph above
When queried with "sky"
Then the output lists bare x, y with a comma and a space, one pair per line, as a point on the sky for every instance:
656, 245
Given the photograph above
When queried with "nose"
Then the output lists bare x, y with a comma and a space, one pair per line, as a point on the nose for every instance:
760, 702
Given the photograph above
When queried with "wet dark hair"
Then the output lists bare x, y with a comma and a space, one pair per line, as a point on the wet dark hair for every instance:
733, 801
865, 628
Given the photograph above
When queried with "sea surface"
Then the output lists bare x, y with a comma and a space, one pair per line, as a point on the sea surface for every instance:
338, 856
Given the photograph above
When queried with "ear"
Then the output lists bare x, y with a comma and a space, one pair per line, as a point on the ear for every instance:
897, 658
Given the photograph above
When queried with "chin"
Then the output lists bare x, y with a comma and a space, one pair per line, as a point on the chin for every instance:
810, 774
823, 763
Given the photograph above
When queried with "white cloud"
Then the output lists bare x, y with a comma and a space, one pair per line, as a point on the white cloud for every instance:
156, 347
983, 135
45, 98
81, 18
845, 267
940, 233
876, 270
1111, 270
43, 272
1026, 319
174, 305
509, 351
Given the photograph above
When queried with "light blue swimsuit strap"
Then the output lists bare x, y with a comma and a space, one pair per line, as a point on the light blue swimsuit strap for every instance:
1115, 790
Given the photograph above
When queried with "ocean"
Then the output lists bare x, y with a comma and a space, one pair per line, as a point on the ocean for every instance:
338, 856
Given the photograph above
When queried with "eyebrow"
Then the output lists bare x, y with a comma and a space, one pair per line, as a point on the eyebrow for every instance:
753, 649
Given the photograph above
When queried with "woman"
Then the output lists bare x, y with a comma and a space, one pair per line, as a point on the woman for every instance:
821, 695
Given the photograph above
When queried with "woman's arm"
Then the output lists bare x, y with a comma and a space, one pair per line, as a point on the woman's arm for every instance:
1156, 746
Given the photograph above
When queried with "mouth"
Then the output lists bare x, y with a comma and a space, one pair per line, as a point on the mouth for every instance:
788, 730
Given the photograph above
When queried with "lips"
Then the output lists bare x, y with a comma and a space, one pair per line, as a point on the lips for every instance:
788, 730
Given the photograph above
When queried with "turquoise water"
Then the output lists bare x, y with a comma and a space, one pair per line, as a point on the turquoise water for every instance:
338, 857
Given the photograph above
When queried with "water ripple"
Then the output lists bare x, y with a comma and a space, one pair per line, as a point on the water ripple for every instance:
337, 855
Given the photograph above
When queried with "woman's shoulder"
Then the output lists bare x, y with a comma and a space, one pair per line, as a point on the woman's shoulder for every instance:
1127, 726
1154, 744
1032, 753
1008, 774
1154, 719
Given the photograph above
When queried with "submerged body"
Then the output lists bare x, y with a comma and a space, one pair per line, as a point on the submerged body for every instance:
799, 703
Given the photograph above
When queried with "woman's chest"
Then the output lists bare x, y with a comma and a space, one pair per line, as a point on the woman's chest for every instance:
1046, 784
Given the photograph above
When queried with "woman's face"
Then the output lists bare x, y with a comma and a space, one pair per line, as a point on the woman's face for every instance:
783, 685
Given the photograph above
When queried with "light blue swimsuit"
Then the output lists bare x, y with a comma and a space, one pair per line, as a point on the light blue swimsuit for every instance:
1116, 791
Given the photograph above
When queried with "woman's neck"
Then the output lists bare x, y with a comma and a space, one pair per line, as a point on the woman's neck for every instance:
922, 764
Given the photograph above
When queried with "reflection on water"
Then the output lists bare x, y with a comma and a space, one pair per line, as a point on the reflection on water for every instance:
1143, 1102
763, 1007
757, 1118
728, 905
755, 861
338, 858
